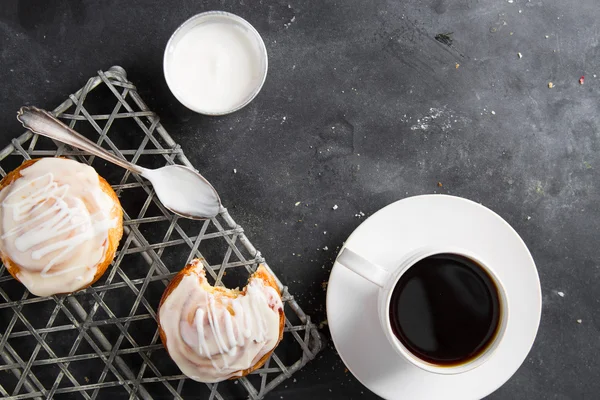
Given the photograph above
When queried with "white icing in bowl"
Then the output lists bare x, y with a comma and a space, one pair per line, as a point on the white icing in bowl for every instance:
215, 63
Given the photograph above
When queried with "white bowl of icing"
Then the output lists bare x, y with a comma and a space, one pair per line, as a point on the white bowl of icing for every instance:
215, 63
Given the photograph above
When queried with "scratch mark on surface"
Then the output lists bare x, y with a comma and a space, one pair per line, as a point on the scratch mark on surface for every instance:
558, 51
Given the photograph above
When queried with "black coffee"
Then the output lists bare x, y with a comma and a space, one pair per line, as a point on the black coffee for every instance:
445, 309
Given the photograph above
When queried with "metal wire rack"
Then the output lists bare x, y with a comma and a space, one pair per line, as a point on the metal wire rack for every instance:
104, 340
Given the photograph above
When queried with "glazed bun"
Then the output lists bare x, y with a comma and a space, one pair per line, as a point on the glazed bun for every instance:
60, 225
214, 333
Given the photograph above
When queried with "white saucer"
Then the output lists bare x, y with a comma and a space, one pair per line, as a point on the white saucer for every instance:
399, 229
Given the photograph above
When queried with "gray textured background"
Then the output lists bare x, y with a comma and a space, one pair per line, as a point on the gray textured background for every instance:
363, 107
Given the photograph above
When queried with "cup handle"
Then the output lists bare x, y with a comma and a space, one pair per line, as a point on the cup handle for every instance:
363, 267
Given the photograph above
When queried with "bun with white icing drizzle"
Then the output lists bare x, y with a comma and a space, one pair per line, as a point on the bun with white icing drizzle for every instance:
214, 333
60, 225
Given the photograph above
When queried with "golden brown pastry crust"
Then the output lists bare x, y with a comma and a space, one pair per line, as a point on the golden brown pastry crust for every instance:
261, 273
114, 234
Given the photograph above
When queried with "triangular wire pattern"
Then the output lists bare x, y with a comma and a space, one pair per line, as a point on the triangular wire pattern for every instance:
104, 339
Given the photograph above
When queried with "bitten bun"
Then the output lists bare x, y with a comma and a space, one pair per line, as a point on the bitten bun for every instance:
214, 333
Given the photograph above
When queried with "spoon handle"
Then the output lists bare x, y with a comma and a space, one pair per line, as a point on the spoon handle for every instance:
43, 123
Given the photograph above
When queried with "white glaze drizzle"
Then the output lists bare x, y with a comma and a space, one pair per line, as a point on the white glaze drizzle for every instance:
230, 334
55, 223
200, 328
226, 335
214, 326
241, 336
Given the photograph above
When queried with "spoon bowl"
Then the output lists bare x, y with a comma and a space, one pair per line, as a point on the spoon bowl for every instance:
181, 189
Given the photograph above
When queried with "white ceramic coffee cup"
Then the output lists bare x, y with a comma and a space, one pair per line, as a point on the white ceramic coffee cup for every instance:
386, 280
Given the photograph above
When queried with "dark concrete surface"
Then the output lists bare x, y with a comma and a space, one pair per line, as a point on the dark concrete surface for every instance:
362, 107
